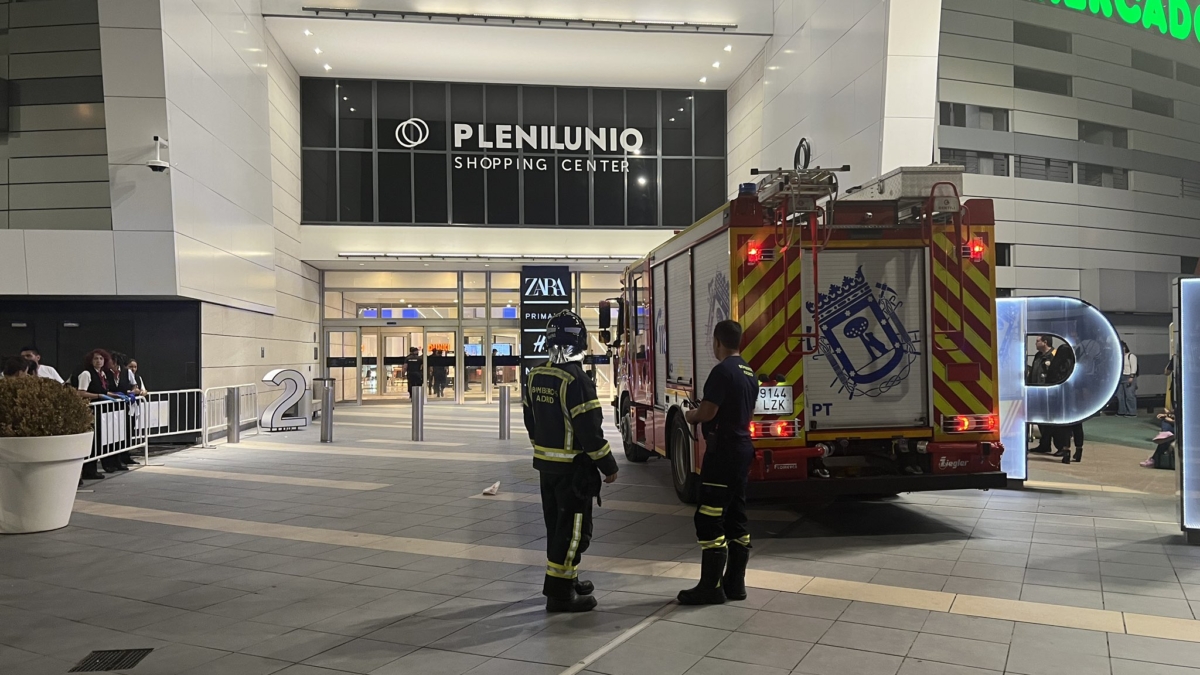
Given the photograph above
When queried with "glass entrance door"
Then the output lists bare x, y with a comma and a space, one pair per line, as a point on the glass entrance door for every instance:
506, 362
441, 362
341, 363
475, 360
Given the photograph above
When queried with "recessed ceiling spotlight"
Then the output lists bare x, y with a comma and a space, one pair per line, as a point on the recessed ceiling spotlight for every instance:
671, 120
641, 180
317, 50
308, 32
681, 110
728, 48
703, 80
352, 110
689, 98
345, 98
716, 64
328, 67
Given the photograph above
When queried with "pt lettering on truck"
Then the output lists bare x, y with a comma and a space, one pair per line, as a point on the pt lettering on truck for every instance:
818, 407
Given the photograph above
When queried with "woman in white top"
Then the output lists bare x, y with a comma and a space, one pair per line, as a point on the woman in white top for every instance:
1127, 389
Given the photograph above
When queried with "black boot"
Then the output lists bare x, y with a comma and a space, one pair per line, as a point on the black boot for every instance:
734, 582
90, 472
561, 596
1078, 455
584, 587
708, 591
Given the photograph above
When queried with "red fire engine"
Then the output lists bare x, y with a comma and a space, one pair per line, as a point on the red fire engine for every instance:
869, 317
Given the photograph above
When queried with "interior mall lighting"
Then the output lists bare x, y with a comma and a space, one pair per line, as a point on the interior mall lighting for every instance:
307, 33
641, 180
515, 19
728, 48
716, 64
703, 80
317, 50
328, 67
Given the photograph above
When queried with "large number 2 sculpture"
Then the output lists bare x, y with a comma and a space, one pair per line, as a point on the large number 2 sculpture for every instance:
293, 390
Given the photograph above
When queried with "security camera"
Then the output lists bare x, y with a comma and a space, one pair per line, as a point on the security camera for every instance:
158, 165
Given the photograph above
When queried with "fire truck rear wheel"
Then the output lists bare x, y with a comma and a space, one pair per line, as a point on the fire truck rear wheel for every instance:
633, 451
685, 480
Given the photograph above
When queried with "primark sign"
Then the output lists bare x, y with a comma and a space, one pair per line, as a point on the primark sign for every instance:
414, 132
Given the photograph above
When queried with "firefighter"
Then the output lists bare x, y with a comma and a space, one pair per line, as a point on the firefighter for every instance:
563, 416
724, 413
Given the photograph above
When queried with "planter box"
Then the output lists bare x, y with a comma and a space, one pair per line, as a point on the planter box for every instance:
38, 478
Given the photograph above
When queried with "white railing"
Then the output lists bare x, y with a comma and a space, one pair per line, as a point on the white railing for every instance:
216, 414
129, 424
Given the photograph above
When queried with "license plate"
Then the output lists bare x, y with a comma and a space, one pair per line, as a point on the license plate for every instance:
773, 401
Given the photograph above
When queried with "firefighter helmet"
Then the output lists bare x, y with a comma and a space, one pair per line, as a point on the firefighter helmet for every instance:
566, 336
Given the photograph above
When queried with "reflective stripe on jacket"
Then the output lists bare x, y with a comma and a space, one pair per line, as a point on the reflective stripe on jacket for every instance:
564, 417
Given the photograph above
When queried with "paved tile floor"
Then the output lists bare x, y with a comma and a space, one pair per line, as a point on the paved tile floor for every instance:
377, 555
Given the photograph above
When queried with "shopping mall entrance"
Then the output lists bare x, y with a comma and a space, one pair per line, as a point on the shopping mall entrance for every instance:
463, 325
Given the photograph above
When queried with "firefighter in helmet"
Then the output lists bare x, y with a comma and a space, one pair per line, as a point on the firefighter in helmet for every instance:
724, 413
563, 417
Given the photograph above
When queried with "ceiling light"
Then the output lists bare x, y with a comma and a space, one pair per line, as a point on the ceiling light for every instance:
671, 120
328, 67
728, 48
689, 98
308, 32
317, 50
352, 110
703, 80
345, 98
681, 110
641, 180
716, 64
362, 264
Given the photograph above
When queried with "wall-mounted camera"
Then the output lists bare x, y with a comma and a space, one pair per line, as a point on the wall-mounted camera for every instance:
158, 165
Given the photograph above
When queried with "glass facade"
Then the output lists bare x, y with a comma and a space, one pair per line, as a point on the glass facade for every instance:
465, 325
385, 152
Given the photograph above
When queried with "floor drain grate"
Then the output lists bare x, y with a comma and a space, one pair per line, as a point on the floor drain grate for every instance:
115, 659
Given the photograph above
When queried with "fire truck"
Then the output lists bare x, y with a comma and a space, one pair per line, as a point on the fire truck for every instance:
869, 319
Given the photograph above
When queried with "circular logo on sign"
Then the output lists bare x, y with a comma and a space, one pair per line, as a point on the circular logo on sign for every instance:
412, 132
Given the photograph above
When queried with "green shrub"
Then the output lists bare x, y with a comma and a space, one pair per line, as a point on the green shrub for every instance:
35, 406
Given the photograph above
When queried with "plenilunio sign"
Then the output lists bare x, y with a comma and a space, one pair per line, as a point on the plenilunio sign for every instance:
1179, 19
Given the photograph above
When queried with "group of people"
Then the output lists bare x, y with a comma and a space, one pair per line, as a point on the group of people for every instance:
1053, 366
102, 376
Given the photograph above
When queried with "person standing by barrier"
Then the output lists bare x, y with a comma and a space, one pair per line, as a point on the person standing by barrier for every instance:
564, 418
93, 383
32, 354
126, 387
414, 370
1127, 388
724, 413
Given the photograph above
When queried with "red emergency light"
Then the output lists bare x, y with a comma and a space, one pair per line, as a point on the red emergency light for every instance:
753, 253
977, 249
969, 424
776, 429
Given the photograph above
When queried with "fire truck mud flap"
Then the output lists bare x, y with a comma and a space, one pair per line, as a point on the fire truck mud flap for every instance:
782, 491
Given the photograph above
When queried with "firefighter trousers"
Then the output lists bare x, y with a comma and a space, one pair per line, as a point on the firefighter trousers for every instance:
568, 519
721, 514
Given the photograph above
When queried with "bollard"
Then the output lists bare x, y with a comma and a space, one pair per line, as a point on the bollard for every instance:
505, 415
418, 413
233, 416
327, 411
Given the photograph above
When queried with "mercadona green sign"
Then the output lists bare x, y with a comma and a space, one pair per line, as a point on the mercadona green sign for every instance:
1176, 18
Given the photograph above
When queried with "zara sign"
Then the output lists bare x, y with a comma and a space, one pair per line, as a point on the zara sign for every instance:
545, 291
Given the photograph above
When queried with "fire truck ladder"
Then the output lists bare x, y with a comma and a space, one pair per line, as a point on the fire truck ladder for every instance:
796, 198
945, 205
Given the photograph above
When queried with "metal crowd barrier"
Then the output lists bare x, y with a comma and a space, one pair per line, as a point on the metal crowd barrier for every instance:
128, 425
216, 404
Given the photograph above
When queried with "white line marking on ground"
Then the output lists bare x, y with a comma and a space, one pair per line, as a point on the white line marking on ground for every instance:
264, 478
621, 639
394, 454
641, 507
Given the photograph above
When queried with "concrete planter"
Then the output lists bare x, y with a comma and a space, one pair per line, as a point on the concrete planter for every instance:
38, 478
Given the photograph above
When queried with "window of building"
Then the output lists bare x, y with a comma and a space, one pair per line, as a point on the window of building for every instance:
1042, 37
1149, 63
1041, 80
1155, 105
1004, 292
1004, 255
1187, 74
1191, 189
1102, 134
974, 117
982, 163
1103, 176
1043, 168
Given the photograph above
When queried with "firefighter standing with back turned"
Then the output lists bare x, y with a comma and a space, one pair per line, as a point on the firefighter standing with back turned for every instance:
563, 417
724, 413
